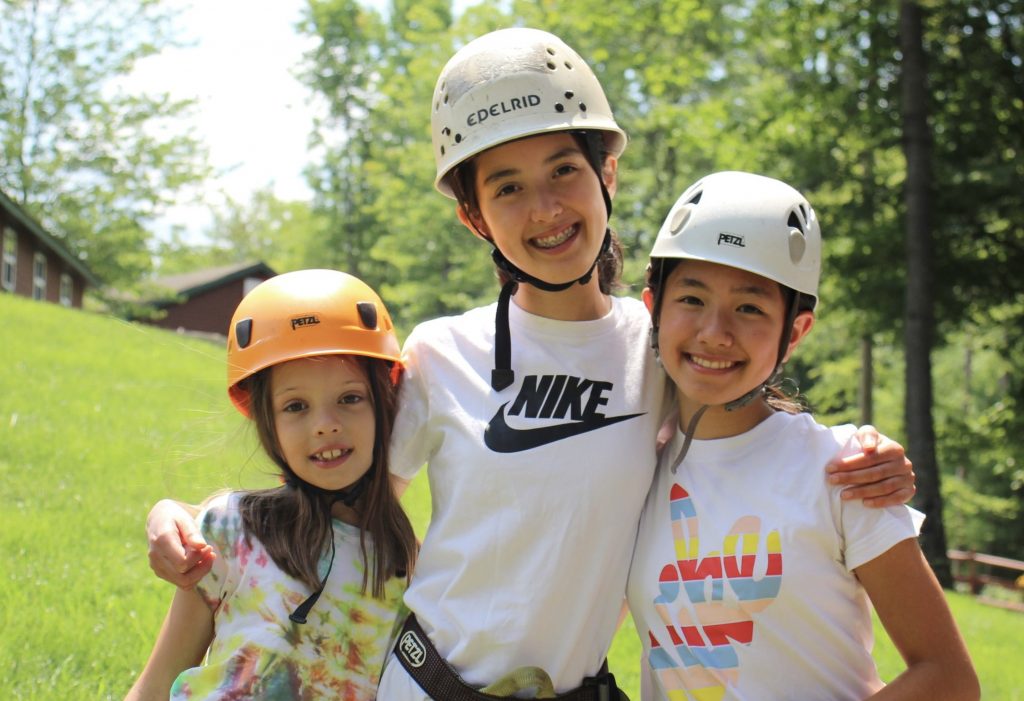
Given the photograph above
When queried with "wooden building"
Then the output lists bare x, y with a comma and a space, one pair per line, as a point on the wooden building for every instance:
204, 300
35, 264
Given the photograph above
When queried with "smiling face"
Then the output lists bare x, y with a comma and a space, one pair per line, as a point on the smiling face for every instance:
540, 203
718, 338
324, 419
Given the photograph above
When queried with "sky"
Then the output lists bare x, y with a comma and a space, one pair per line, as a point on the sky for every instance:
253, 114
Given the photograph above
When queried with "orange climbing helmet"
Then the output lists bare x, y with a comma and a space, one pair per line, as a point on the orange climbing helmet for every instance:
303, 314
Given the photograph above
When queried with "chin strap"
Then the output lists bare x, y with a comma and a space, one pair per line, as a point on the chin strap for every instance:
502, 374
328, 497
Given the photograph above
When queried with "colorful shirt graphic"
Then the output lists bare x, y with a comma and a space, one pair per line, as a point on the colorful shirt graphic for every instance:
257, 652
742, 583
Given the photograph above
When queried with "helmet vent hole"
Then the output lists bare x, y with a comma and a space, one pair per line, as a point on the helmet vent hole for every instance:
794, 221
442, 150
446, 98
458, 138
551, 65
568, 65
551, 52
583, 107
367, 314
559, 107
696, 198
243, 332
569, 94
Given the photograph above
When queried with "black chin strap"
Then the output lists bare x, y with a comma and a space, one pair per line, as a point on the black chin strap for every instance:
328, 497
502, 374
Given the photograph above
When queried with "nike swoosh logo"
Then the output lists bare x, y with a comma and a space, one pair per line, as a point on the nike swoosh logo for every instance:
502, 438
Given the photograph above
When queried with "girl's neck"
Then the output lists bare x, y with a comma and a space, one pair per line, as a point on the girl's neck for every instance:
577, 303
345, 514
716, 422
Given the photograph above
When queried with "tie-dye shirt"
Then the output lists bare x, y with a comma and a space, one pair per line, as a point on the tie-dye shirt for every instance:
257, 652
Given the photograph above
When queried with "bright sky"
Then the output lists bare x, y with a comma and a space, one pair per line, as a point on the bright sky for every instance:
253, 114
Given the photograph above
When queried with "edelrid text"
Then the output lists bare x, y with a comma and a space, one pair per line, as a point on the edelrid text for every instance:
503, 107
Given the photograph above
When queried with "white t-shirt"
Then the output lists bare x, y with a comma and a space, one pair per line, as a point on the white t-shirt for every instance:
742, 582
257, 652
536, 489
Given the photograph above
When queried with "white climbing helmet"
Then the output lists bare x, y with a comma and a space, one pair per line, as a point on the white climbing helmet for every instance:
509, 84
746, 221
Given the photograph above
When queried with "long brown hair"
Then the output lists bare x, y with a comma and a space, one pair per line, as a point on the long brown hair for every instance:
609, 265
295, 525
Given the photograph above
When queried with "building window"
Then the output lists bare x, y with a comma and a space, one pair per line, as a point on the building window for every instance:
39, 276
10, 259
249, 283
67, 289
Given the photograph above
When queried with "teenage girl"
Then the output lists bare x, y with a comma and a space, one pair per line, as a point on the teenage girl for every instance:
538, 415
752, 578
306, 586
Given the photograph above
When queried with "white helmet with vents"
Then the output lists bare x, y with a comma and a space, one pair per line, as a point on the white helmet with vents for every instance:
509, 84
746, 221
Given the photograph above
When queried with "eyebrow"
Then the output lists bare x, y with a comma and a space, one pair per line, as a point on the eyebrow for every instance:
507, 172
348, 385
756, 290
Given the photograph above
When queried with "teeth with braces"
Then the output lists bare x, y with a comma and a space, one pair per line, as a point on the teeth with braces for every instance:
559, 238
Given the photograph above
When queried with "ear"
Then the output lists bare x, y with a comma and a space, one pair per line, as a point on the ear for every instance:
648, 296
610, 174
474, 222
801, 327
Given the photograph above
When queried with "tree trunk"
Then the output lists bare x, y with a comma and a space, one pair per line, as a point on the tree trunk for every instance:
867, 380
919, 305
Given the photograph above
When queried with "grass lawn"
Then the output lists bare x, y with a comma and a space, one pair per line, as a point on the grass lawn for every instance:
98, 420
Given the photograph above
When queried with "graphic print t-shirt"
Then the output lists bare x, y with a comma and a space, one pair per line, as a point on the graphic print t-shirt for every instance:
537, 489
742, 584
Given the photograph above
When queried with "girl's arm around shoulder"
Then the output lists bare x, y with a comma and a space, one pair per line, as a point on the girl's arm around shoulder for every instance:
181, 644
913, 609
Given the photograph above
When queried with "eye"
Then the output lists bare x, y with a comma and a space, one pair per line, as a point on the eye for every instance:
506, 189
565, 169
293, 406
351, 398
750, 309
690, 300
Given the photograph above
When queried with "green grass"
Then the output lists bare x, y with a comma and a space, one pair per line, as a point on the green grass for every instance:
98, 420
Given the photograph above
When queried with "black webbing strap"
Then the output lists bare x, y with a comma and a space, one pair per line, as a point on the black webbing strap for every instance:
436, 677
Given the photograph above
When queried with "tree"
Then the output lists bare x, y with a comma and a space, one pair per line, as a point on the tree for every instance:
94, 163
919, 326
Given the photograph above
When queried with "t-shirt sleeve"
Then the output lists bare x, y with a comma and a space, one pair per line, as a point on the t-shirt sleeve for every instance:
410, 436
868, 532
221, 525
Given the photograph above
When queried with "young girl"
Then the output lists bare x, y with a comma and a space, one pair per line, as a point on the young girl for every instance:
537, 415
751, 577
306, 585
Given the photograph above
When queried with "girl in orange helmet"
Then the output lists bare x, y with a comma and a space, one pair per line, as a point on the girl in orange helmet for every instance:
307, 578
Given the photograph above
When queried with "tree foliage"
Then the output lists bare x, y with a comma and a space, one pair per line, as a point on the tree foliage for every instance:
805, 91
92, 161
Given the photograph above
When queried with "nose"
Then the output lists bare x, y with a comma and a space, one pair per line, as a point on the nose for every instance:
716, 329
546, 205
328, 420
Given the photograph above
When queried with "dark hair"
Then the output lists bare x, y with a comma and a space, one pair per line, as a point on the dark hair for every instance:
294, 525
775, 390
609, 265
